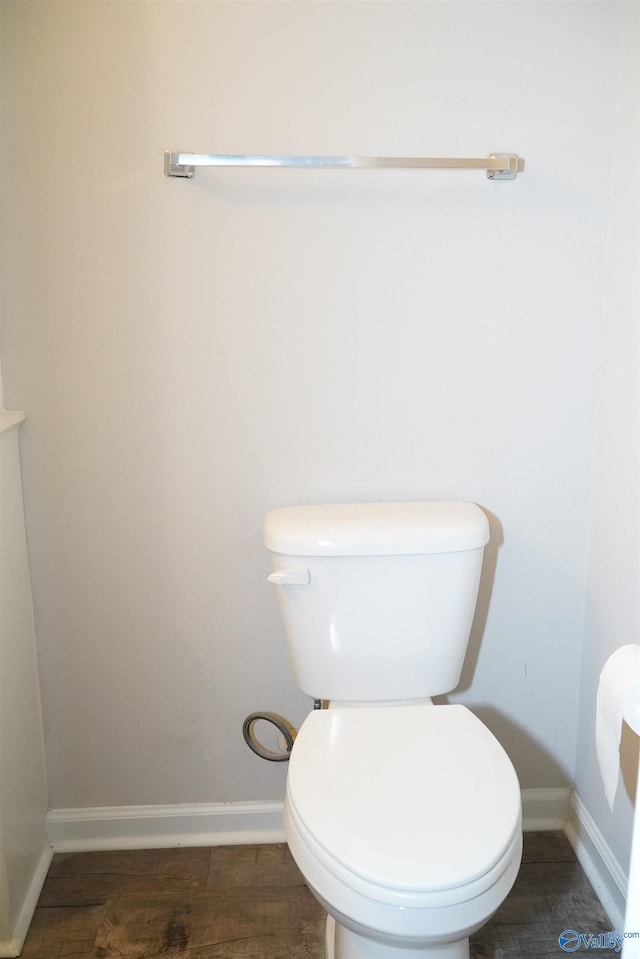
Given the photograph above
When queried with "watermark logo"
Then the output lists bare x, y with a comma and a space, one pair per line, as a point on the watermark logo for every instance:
571, 941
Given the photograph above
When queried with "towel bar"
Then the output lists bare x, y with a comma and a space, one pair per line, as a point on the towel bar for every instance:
499, 166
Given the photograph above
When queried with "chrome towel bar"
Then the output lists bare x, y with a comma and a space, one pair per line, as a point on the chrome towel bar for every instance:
499, 166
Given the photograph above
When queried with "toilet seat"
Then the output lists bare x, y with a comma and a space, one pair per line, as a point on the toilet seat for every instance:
413, 806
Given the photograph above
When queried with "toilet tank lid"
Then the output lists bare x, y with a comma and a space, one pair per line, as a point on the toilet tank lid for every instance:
376, 529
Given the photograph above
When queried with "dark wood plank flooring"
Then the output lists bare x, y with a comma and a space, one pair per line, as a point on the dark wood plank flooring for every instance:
251, 902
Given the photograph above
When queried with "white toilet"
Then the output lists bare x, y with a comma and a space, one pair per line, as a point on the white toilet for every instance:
404, 817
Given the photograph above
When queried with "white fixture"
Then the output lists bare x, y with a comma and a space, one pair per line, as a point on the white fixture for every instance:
403, 817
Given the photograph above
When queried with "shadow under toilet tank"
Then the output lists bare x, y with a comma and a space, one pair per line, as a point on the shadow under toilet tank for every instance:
377, 599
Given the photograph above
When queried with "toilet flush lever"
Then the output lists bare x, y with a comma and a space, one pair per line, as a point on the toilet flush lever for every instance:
290, 577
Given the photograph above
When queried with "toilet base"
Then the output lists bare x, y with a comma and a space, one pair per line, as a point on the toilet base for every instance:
342, 943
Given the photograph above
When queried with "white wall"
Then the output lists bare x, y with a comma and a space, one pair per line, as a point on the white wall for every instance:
25, 852
192, 353
612, 616
24, 849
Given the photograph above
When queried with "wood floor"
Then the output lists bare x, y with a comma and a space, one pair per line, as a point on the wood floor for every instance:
250, 902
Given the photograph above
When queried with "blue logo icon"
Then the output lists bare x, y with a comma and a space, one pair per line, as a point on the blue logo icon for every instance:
569, 940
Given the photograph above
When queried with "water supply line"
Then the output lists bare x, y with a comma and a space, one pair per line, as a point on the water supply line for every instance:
287, 731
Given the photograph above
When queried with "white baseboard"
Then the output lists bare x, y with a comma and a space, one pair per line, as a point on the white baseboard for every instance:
13, 946
149, 827
218, 824
545, 809
600, 865
222, 824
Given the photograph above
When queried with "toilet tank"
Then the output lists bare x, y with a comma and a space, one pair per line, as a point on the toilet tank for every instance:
377, 599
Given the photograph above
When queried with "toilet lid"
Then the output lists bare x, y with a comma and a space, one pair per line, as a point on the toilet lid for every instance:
416, 798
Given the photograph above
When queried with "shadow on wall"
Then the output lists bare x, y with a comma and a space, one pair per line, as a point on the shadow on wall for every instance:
487, 577
518, 741
515, 739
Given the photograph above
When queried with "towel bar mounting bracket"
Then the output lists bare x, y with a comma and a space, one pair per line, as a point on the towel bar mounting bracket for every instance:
172, 166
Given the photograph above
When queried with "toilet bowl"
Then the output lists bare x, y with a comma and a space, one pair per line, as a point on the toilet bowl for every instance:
406, 823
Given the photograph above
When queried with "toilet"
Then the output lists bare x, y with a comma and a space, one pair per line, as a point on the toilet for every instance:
403, 816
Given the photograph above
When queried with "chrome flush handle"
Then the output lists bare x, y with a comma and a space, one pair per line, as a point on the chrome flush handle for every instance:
290, 577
